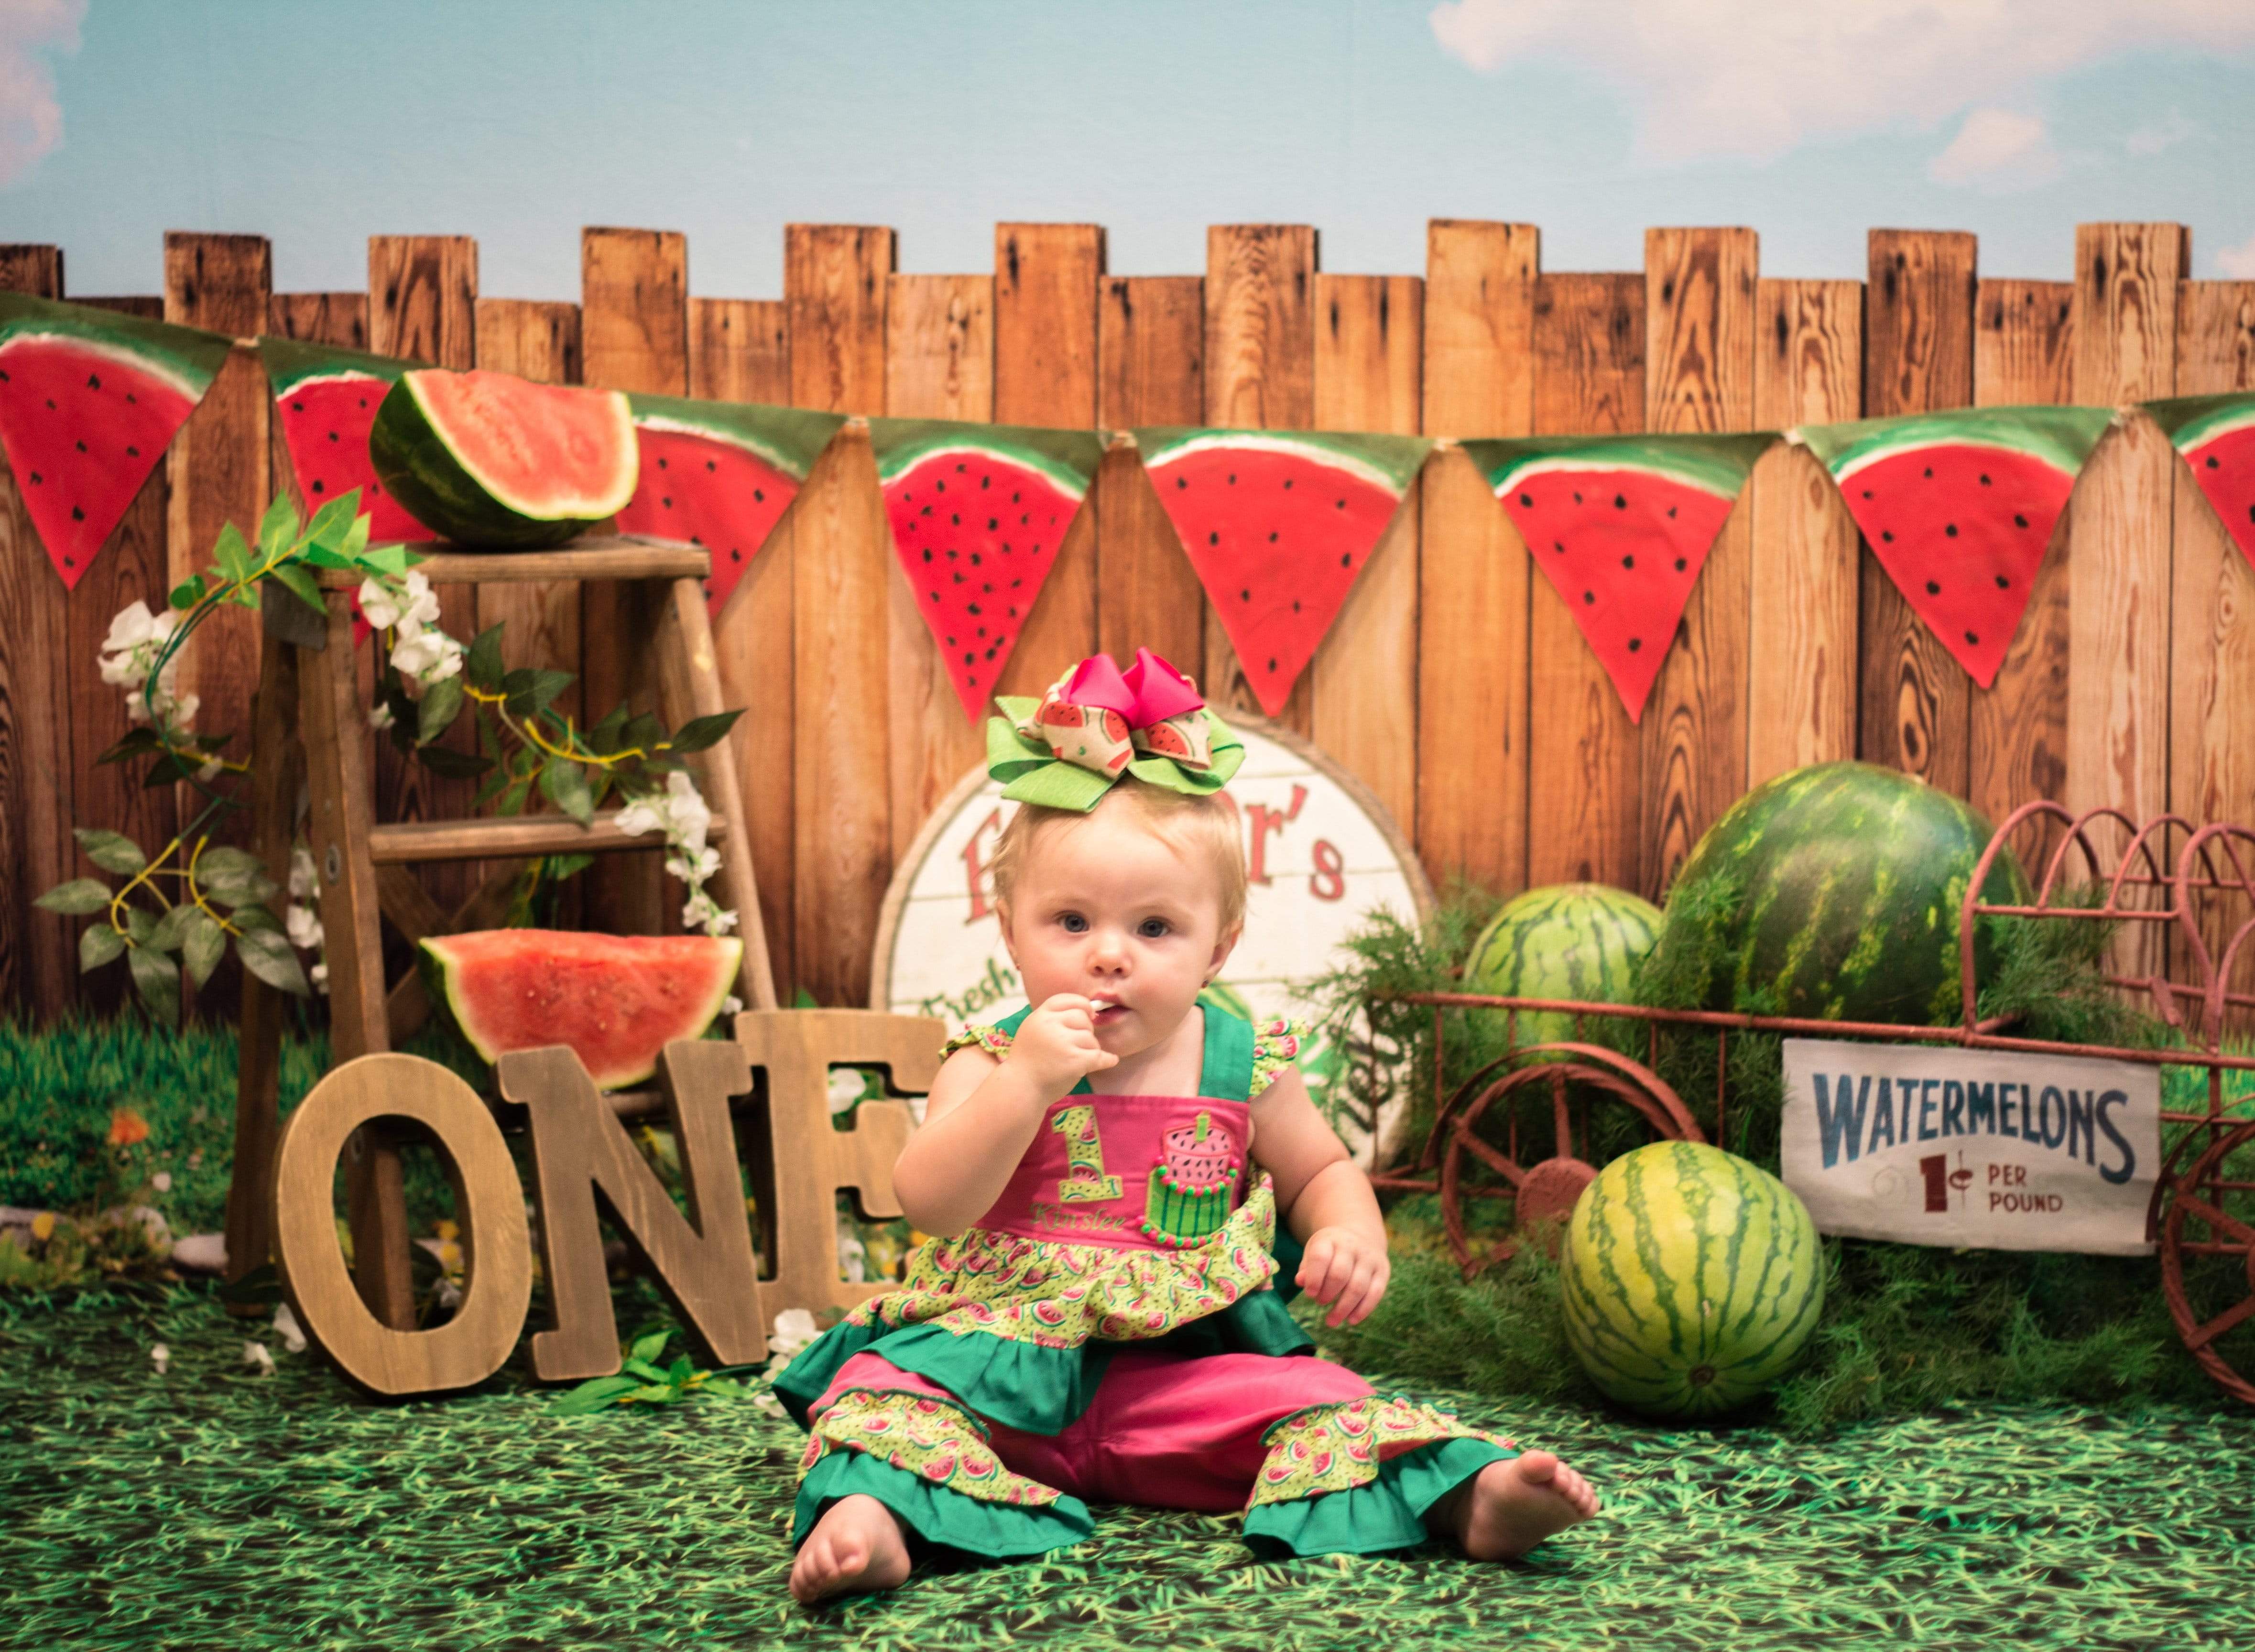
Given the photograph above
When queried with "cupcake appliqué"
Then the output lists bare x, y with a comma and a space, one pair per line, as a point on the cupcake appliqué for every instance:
1189, 1191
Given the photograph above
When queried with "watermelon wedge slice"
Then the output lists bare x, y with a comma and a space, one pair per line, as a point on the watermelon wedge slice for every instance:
616, 999
1278, 524
1959, 507
495, 461
977, 512
719, 474
89, 401
1621, 526
326, 398
2217, 436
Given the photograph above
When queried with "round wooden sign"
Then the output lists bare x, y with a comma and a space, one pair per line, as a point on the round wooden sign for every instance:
1322, 852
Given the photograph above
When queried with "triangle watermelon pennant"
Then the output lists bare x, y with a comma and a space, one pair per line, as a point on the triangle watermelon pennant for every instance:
326, 398
719, 474
1959, 507
1278, 524
1621, 526
89, 401
977, 512
2217, 436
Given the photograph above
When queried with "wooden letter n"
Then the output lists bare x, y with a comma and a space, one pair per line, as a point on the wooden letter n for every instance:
581, 1146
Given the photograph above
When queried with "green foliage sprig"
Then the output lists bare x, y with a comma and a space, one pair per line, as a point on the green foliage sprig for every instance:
644, 1381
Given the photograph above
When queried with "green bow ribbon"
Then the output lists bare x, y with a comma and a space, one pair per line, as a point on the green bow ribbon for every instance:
1095, 725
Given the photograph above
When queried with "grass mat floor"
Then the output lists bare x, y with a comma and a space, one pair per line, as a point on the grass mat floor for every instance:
213, 1507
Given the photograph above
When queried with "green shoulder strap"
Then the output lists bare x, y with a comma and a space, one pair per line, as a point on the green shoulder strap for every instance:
1228, 1074
1010, 1023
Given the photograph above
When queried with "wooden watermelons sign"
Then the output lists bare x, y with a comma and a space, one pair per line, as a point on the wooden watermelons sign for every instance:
1322, 852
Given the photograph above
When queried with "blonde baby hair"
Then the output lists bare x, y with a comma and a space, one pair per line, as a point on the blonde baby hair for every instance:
1193, 827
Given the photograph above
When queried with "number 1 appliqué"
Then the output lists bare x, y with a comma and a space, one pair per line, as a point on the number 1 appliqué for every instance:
1086, 1179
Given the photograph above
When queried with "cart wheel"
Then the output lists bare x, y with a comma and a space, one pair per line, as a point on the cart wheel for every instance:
2208, 1215
1543, 1191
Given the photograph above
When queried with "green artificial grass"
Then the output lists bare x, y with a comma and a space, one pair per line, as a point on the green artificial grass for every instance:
212, 1506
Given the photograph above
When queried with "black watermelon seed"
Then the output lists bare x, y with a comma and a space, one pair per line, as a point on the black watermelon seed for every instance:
1867, 493
1887, 535
317, 486
1232, 479
927, 555
2019, 521
992, 523
1295, 605
1628, 562
1985, 479
935, 597
1272, 536
82, 447
951, 642
968, 657
1272, 664
939, 487
1577, 499
760, 495
1559, 546
1013, 499
734, 555
1620, 502
2211, 458
37, 479
1680, 563
334, 437
1342, 504
1213, 538
1527, 499
927, 510
1588, 596
1634, 643
94, 381
667, 502
982, 629
1288, 484
1929, 470
51, 403
974, 558
954, 521
1972, 639
983, 481
1346, 559
1932, 589
961, 468
2003, 584
1671, 513
709, 465
1245, 596
1013, 614
77, 514
1182, 481
1950, 530
133, 452
663, 462
988, 587
1024, 520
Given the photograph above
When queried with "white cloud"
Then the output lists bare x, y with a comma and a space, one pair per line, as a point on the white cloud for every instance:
2156, 135
1997, 149
31, 118
1756, 78
2238, 264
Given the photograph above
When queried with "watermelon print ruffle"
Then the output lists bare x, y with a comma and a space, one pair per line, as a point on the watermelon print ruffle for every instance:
1384, 1513
938, 1443
1335, 1448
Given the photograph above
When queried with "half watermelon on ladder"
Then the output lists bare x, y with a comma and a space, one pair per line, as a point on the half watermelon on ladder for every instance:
1621, 526
89, 401
1278, 524
978, 513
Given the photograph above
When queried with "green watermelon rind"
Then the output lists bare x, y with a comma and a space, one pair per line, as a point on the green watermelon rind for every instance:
1645, 1361
2059, 436
1502, 962
2192, 422
186, 359
443, 980
1065, 459
1389, 463
290, 365
790, 438
1716, 465
437, 488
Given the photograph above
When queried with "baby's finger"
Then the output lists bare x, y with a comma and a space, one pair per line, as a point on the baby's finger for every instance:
1339, 1271
1313, 1266
1374, 1292
1350, 1293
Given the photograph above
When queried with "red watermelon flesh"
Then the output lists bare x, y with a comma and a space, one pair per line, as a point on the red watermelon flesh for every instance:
2225, 468
1277, 533
695, 489
616, 999
1961, 529
1622, 547
977, 533
325, 425
83, 427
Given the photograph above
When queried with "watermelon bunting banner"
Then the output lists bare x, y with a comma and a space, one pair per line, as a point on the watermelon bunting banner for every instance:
89, 401
2217, 436
1621, 526
1959, 507
1278, 524
719, 476
977, 512
326, 398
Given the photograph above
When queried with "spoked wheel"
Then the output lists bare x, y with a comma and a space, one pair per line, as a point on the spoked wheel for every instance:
1542, 1189
2211, 1214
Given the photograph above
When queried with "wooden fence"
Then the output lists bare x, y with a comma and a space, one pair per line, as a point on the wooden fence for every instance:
1454, 682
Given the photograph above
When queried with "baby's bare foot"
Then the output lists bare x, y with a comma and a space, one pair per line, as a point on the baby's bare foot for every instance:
1509, 1507
856, 1548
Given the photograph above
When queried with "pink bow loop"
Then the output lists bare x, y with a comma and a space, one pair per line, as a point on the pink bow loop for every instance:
1099, 718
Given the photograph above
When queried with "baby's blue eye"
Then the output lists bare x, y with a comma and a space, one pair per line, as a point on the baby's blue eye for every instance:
1074, 924
1152, 928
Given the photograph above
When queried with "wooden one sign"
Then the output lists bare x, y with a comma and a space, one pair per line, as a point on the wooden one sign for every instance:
1320, 851
1929, 1145
706, 1263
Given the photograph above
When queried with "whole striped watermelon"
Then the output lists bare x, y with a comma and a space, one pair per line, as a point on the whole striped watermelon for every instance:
1691, 1280
1844, 883
1567, 941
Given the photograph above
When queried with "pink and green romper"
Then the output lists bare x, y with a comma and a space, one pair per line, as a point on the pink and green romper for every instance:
1108, 1332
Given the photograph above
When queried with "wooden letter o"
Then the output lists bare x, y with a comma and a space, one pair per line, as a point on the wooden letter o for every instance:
489, 1203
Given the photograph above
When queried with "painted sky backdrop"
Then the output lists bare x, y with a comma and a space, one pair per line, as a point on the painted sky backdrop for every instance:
320, 122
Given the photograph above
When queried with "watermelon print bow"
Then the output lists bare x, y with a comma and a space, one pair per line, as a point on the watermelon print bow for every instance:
1098, 724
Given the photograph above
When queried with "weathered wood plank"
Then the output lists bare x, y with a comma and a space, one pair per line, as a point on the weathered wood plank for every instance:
836, 279
634, 335
2126, 277
1699, 372
1151, 370
1260, 375
2023, 356
218, 464
422, 305
1046, 277
537, 340
1585, 822
1472, 595
325, 318
1919, 321
1363, 680
39, 951
939, 363
1802, 679
739, 351
2212, 643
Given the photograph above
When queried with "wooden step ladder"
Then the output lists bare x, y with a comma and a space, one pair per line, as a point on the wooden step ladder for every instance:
363, 865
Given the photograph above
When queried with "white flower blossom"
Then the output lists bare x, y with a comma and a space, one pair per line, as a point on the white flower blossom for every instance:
406, 605
319, 976
305, 930
129, 652
845, 1087
161, 1356
256, 1356
162, 1181
639, 816
426, 655
305, 876
286, 1327
731, 1005
209, 772
794, 1329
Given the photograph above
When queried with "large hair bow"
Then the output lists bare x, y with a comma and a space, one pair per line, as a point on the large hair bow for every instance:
1098, 724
